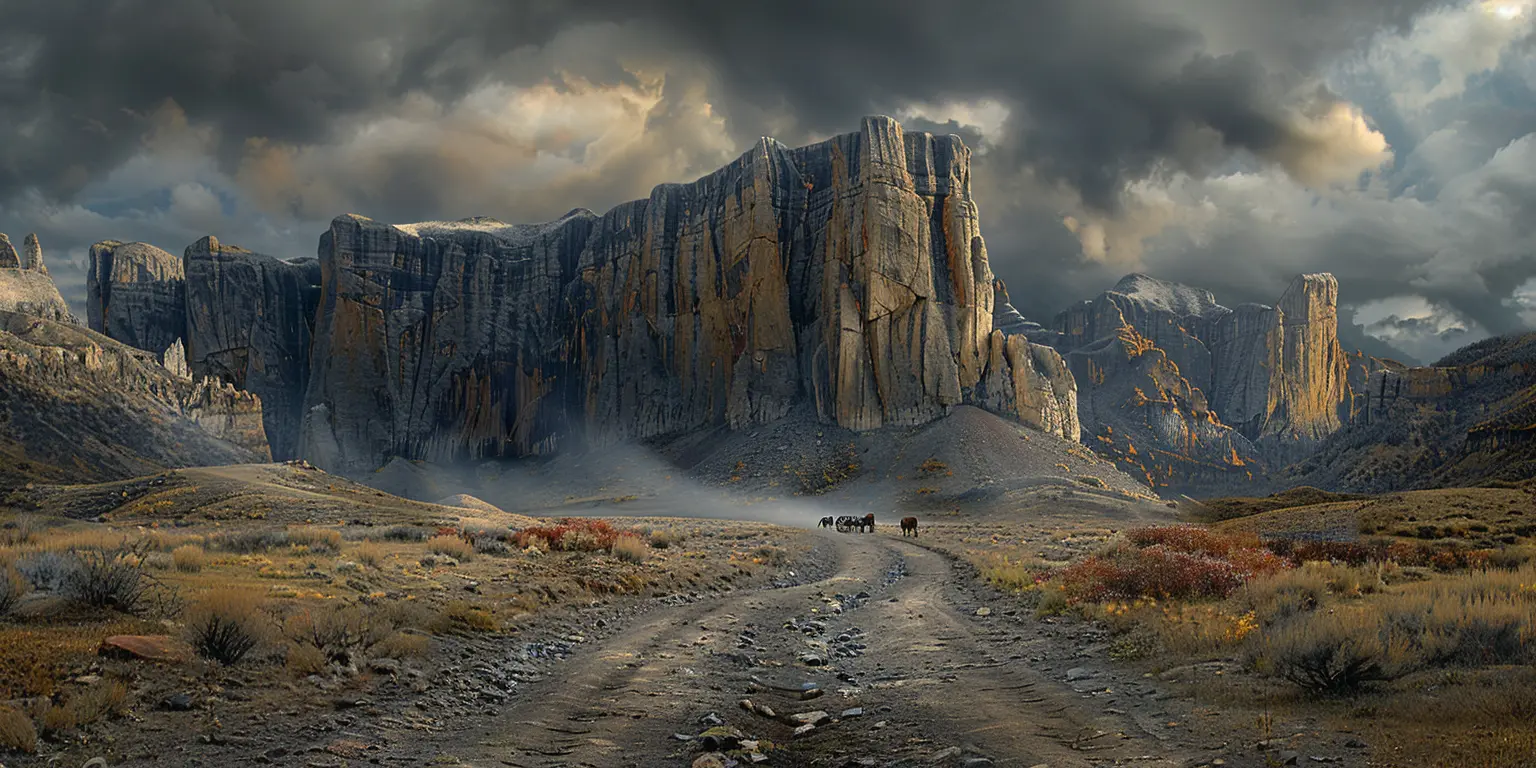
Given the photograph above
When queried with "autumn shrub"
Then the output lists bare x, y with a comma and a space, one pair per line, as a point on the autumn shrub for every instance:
452, 546
315, 539
85, 706
1129, 572
571, 535
304, 660
1346, 552
401, 533
17, 733
490, 545
1192, 540
664, 538
189, 558
226, 624
630, 549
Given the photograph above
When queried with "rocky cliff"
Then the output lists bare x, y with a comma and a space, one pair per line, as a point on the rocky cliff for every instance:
1468, 419
25, 286
135, 293
76, 406
850, 274
249, 322
1191, 391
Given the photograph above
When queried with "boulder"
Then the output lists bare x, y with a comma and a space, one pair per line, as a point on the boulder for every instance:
25, 286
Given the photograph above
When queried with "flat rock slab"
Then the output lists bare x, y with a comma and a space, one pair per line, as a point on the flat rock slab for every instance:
146, 648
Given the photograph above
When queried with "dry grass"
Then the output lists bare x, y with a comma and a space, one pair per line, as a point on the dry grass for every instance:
451, 546
83, 707
33, 657
189, 558
369, 553
1010, 572
12, 588
315, 539
17, 734
630, 549
402, 645
305, 660
226, 624
461, 615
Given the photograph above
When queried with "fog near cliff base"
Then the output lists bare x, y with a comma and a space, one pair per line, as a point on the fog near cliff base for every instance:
1227, 144
613, 481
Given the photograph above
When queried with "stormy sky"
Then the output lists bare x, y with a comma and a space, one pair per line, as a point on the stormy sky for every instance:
1225, 143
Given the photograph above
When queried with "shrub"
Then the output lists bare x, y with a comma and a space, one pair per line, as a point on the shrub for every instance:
452, 546
1160, 572
108, 579
460, 615
403, 533
662, 539
16, 731
630, 549
402, 645
1511, 558
47, 570
1331, 653
571, 535
491, 545
368, 553
19, 530
226, 624
325, 540
86, 706
247, 542
1191, 539
305, 660
337, 630
12, 588
188, 558
1053, 602
1009, 572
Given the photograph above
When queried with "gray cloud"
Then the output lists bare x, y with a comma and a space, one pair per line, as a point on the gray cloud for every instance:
1227, 144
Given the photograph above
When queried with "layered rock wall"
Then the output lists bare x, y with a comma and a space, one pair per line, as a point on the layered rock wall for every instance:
850, 273
135, 293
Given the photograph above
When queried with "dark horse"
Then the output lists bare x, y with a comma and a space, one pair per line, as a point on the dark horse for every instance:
826, 522
847, 523
867, 525
909, 524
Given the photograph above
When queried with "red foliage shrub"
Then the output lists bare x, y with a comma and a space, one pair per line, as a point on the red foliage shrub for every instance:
573, 534
1155, 571
1192, 540
1344, 552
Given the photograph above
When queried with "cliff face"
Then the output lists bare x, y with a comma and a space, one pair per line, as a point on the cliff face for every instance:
249, 321
25, 286
1235, 389
1466, 420
76, 406
135, 293
850, 273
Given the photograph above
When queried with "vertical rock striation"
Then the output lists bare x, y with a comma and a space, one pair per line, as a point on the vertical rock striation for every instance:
1230, 389
136, 294
851, 273
249, 322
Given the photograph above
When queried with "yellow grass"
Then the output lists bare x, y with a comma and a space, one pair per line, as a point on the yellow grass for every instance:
16, 731
369, 553
189, 558
630, 549
451, 546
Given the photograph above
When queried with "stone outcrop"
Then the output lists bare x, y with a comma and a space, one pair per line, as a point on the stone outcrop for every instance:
25, 286
850, 273
1231, 391
1466, 420
249, 321
80, 407
135, 293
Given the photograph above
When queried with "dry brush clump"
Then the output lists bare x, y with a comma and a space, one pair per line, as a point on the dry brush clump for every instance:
17, 733
369, 553
13, 587
189, 558
571, 535
630, 549
225, 625
315, 539
451, 546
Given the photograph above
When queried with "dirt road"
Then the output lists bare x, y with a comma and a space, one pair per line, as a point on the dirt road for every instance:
891, 649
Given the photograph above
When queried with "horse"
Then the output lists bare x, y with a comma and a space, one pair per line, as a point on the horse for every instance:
867, 523
826, 522
847, 523
909, 524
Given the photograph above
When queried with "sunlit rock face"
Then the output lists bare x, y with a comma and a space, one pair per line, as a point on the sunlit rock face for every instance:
1191, 392
25, 285
850, 273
